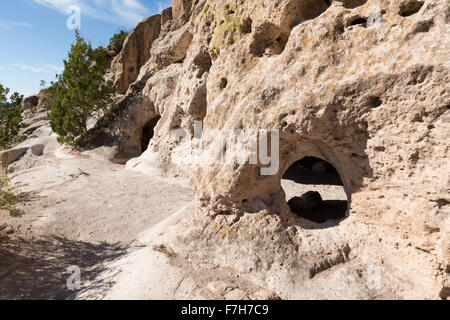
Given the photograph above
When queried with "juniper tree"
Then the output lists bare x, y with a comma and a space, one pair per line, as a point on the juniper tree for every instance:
119, 38
81, 91
10, 117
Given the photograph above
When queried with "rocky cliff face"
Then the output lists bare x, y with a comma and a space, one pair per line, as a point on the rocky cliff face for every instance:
135, 52
360, 84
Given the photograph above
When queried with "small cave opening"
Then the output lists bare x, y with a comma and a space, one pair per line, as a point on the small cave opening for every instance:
352, 4
246, 26
148, 131
315, 190
359, 21
268, 40
271, 39
223, 83
203, 63
407, 9
304, 10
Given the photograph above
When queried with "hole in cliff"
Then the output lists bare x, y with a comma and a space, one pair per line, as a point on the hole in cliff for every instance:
304, 10
148, 131
375, 102
203, 63
269, 40
315, 190
223, 83
359, 21
445, 293
246, 26
409, 8
351, 4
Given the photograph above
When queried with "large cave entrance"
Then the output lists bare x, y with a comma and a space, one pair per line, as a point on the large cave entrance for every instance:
315, 190
148, 131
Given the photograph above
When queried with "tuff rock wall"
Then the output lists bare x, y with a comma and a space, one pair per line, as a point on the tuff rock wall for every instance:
361, 84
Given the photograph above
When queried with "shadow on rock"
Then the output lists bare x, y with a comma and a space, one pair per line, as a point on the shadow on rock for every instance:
331, 210
300, 174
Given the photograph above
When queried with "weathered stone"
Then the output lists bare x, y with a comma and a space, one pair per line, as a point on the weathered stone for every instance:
166, 16
150, 96
135, 52
236, 295
218, 288
181, 10
37, 149
312, 199
11, 155
308, 201
8, 230
265, 295
445, 293
113, 50
355, 83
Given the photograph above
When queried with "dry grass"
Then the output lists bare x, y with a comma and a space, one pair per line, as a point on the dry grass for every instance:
8, 197
168, 251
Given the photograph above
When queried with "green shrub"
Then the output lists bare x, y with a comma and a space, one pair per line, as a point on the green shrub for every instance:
8, 197
119, 38
80, 92
10, 117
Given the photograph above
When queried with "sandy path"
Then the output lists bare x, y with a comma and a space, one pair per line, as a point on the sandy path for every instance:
83, 212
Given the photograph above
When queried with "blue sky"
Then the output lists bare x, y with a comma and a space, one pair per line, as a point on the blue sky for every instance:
34, 37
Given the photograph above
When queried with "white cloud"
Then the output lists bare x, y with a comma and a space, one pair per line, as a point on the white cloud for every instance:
29, 68
124, 12
47, 68
52, 67
12, 25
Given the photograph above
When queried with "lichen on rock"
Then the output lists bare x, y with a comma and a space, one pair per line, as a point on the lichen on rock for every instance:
227, 23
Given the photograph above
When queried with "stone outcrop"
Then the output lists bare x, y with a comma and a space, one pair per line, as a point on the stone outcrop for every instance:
182, 10
361, 84
166, 16
35, 133
135, 52
113, 50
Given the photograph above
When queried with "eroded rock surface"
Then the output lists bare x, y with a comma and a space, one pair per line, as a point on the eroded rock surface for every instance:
182, 10
362, 85
135, 52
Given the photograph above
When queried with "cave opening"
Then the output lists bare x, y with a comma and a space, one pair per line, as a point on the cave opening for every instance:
315, 190
148, 131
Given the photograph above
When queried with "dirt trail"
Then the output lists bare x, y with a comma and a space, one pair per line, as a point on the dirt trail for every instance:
82, 212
